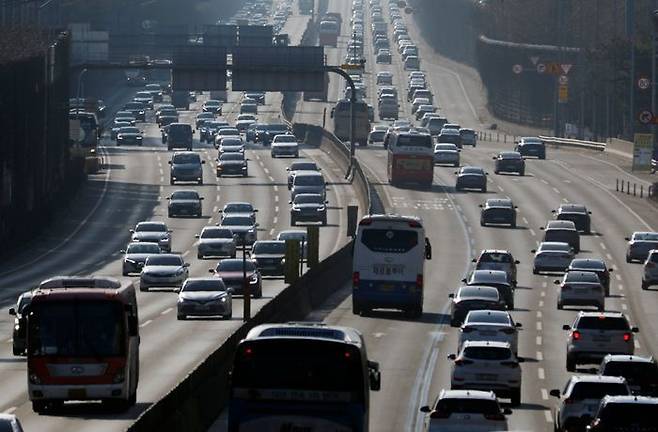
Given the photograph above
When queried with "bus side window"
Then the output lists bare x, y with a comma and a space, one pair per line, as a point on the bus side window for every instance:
133, 325
428, 249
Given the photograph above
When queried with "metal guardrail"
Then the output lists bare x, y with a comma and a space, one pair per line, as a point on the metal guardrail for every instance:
592, 145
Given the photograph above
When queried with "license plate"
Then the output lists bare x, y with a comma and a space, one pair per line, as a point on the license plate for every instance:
77, 394
388, 269
601, 339
386, 287
582, 290
486, 377
487, 332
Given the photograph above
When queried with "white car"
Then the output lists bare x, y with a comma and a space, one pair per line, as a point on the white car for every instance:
581, 288
285, 145
216, 242
231, 144
552, 256
10, 423
650, 274
204, 297
490, 325
465, 411
489, 366
164, 270
581, 398
446, 154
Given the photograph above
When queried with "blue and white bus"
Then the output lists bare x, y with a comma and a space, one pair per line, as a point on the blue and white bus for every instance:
301, 377
388, 264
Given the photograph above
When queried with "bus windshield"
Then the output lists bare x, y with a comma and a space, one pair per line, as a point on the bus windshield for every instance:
409, 140
389, 240
334, 369
75, 328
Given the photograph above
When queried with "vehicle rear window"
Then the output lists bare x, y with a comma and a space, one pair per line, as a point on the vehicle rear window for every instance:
476, 406
496, 257
487, 353
231, 265
389, 240
595, 390
300, 166
654, 257
217, 233
603, 323
630, 416
582, 277
271, 247
634, 372
304, 180
465, 292
488, 317
408, 140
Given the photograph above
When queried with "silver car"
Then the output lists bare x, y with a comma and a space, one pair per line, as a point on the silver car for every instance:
135, 255
164, 270
580, 288
552, 256
639, 245
490, 325
311, 182
156, 232
204, 297
446, 154
650, 274
243, 226
216, 241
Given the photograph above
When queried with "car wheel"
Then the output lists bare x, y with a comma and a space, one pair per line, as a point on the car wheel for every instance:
601, 308
356, 308
38, 406
535, 271
560, 306
293, 222
273, 155
516, 397
199, 256
645, 285
628, 259
324, 221
484, 189
259, 294
571, 364
456, 164
521, 173
513, 224
482, 223
16, 351
200, 182
228, 316
495, 171
143, 289
181, 317
170, 214
171, 182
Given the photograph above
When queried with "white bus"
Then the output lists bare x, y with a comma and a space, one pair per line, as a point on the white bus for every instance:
388, 264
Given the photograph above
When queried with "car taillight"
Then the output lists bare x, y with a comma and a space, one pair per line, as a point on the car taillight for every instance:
575, 335
507, 330
439, 415
566, 287
419, 281
497, 416
510, 364
568, 401
467, 329
627, 337
414, 224
356, 278
365, 222
463, 362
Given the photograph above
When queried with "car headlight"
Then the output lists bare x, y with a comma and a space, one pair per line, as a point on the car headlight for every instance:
180, 271
131, 261
223, 299
253, 279
119, 136
139, 137
321, 209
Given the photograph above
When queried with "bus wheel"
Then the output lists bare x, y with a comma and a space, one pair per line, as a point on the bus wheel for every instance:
38, 406
356, 308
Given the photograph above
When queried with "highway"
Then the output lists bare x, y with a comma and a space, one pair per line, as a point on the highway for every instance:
412, 354
133, 187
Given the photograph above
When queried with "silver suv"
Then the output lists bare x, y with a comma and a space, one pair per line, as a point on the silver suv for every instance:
580, 399
650, 274
593, 335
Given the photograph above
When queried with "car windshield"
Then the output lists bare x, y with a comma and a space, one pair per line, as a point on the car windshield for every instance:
496, 258
270, 247
276, 127
484, 316
169, 112
597, 390
445, 147
578, 276
554, 246
203, 285
185, 195
389, 240
140, 248
134, 105
238, 208
164, 261
587, 264
234, 265
292, 235
487, 353
231, 157
213, 103
511, 156
472, 406
237, 221
308, 199
489, 276
285, 139
307, 180
229, 132
129, 130
186, 158
634, 372
499, 203
143, 95
150, 227
303, 166
231, 142
217, 233
646, 236
489, 292
602, 322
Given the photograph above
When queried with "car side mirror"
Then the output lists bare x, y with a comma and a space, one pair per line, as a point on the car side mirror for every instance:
627, 238
186, 264
556, 282
480, 205
290, 202
520, 359
168, 198
494, 158
211, 270
452, 357
518, 324
474, 260
611, 269
507, 411
566, 327
451, 295
455, 172
12, 311
635, 330
255, 210
170, 231
197, 236
203, 162
464, 280
589, 212
425, 409
169, 162
541, 228
256, 224
132, 231
554, 393
176, 289
122, 251
517, 262
201, 198
533, 250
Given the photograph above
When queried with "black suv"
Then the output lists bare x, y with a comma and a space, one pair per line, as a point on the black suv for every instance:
498, 211
576, 213
531, 146
178, 135
509, 162
641, 373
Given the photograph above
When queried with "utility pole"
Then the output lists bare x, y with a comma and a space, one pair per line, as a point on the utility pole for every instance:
630, 33
654, 34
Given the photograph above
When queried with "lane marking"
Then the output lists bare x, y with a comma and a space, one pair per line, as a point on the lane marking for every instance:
548, 416
544, 284
145, 323
539, 326
186, 253
603, 246
556, 191
544, 394
623, 306
271, 178
500, 188
271, 232
215, 209
275, 220
541, 303
217, 188
541, 374
532, 232
543, 181
276, 188
166, 311
618, 277
540, 356
276, 209
276, 198
161, 179
539, 314
525, 221
621, 287
608, 256
267, 171
538, 340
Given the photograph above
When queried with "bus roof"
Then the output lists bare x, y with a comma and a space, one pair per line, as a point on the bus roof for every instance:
88, 288
306, 330
81, 282
365, 220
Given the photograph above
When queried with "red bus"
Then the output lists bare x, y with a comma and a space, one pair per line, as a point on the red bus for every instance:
410, 158
83, 343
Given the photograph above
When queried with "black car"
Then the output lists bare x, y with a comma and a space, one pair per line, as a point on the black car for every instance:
209, 128
178, 135
138, 109
232, 271
595, 265
576, 213
531, 146
641, 373
509, 162
470, 298
498, 211
19, 335
232, 164
269, 256
268, 133
471, 177
184, 203
254, 129
494, 278
129, 135
308, 208
624, 413
186, 166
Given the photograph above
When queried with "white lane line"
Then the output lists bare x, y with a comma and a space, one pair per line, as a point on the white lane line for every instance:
543, 181
161, 171
217, 197
565, 200
541, 303
618, 276
161, 179
166, 311
10, 410
217, 188
539, 326
556, 190
276, 198
548, 416
525, 220
276, 188
271, 232
544, 284
541, 374
145, 323
500, 188
469, 229
538, 340
186, 253
624, 307
275, 220
276, 209
603, 246
621, 287
271, 178
532, 232
544, 394
609, 257
540, 356
215, 209
637, 344
267, 171
539, 314
542, 294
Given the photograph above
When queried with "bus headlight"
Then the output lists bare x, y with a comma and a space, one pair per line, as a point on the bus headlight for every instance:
34, 379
